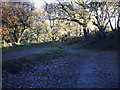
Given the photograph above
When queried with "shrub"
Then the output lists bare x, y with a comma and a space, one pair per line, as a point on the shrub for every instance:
72, 40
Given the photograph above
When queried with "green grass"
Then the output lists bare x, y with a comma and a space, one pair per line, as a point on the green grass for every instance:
15, 66
30, 46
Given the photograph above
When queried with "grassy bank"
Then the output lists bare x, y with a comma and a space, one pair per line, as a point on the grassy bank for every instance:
30, 46
25, 63
96, 42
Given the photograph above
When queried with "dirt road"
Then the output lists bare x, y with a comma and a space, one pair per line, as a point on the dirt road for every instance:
100, 69
81, 69
20, 53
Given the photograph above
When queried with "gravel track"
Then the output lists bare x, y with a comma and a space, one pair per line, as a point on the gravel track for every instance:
81, 69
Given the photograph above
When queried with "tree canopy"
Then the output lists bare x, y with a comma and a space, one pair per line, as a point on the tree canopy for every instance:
23, 23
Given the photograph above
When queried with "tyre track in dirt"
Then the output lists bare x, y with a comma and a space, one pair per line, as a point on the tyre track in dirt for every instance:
99, 70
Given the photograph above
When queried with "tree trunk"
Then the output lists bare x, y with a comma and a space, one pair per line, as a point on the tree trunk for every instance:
85, 33
115, 23
17, 42
111, 26
101, 29
118, 22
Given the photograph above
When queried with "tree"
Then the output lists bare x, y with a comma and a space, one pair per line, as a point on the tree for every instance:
116, 17
71, 12
16, 18
102, 13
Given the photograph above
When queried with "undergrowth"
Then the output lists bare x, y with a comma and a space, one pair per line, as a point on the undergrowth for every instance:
97, 42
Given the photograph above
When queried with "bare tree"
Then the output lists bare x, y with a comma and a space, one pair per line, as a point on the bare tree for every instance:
102, 12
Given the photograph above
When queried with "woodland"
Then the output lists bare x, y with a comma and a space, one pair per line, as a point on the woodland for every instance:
65, 22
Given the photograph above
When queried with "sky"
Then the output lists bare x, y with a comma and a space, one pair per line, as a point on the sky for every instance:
39, 3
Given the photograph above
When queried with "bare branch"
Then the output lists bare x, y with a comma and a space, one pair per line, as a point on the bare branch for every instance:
75, 20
